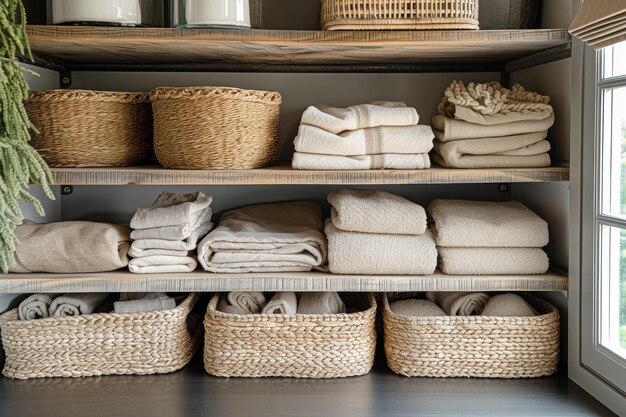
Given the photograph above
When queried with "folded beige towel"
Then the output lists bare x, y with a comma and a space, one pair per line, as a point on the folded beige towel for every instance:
459, 303
491, 161
500, 145
145, 304
266, 238
172, 209
360, 116
162, 264
371, 211
450, 129
242, 302
176, 233
508, 305
70, 247
464, 223
313, 161
379, 254
493, 261
76, 304
37, 306
375, 140
282, 303
321, 303
416, 308
140, 253
187, 244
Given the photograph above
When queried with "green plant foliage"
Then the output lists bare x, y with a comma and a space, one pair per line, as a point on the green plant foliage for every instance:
20, 164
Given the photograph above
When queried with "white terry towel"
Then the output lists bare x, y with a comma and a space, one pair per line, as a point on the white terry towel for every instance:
360, 116
242, 302
447, 129
37, 306
493, 261
266, 238
162, 264
145, 304
76, 304
459, 303
371, 211
375, 140
140, 253
379, 254
321, 303
416, 308
508, 305
173, 209
188, 244
284, 302
464, 223
313, 161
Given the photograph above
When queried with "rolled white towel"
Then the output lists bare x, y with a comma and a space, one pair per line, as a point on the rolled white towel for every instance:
145, 304
459, 303
416, 308
76, 304
508, 305
37, 306
282, 303
250, 302
321, 303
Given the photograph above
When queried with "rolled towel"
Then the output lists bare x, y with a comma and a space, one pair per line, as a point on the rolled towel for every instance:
459, 303
37, 306
187, 244
313, 161
360, 116
145, 304
162, 264
224, 307
282, 303
321, 303
370, 211
173, 209
416, 308
447, 129
377, 140
76, 304
508, 305
249, 301
493, 261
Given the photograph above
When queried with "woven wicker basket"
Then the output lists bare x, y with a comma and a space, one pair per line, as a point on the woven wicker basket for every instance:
99, 344
80, 128
215, 127
474, 346
399, 14
301, 345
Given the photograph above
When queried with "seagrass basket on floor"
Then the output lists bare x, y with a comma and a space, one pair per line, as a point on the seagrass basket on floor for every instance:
215, 127
100, 344
399, 14
300, 345
473, 346
83, 128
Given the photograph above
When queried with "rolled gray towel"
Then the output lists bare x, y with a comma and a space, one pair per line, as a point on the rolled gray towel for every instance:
250, 302
321, 303
282, 303
37, 306
508, 305
459, 303
76, 304
416, 308
148, 302
224, 307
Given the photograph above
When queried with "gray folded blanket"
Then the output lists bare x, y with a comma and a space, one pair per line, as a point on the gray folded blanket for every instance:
172, 209
37, 306
282, 303
416, 308
459, 303
143, 303
76, 304
321, 303
242, 302
508, 305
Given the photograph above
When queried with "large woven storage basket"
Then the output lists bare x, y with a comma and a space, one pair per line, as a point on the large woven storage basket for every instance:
301, 345
473, 346
215, 127
81, 128
399, 14
100, 344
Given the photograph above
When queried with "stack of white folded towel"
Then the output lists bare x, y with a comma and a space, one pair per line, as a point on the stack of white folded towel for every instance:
251, 302
380, 135
376, 233
489, 238
488, 126
166, 233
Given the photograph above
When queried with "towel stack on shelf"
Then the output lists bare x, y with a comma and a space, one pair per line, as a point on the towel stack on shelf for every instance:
166, 233
488, 126
380, 135
489, 238
375, 233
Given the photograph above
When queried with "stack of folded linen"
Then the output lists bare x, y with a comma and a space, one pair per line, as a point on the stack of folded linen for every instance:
488, 238
488, 126
165, 234
281, 237
374, 233
380, 135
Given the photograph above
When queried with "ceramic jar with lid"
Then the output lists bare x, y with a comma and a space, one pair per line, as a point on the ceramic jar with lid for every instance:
108, 12
211, 13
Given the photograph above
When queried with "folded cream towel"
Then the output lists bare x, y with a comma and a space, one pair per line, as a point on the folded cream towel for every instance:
172, 209
370, 211
379, 254
464, 223
266, 238
491, 161
282, 303
459, 303
493, 261
76, 304
187, 244
70, 247
360, 116
314, 161
147, 303
140, 253
37, 306
250, 302
416, 308
375, 140
162, 264
508, 305
321, 303
450, 129
500, 145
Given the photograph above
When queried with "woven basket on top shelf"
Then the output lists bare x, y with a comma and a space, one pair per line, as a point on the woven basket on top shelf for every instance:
399, 14
100, 344
215, 127
473, 346
82, 128
300, 345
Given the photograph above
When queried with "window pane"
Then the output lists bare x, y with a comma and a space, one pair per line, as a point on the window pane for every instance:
613, 187
613, 289
614, 60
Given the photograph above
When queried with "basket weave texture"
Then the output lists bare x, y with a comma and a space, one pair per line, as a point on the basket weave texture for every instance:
215, 127
83, 128
301, 345
399, 14
473, 346
99, 344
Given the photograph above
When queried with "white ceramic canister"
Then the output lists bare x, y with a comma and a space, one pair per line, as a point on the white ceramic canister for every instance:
126, 12
217, 13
